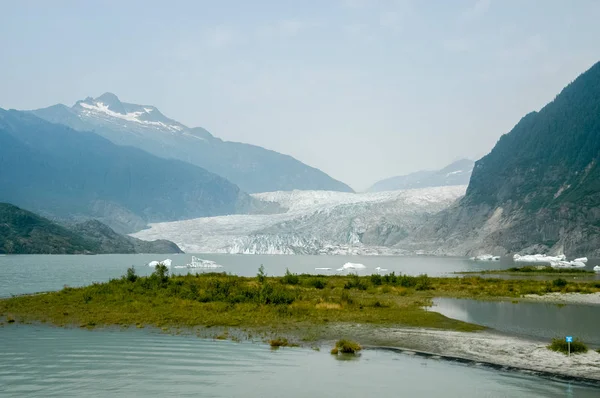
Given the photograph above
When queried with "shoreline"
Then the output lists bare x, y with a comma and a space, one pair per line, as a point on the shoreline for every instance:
565, 298
484, 348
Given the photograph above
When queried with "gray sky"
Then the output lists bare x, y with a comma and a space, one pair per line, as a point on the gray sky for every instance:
360, 89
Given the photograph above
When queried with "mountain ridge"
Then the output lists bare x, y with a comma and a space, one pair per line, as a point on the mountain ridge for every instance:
24, 232
456, 173
71, 175
538, 190
253, 168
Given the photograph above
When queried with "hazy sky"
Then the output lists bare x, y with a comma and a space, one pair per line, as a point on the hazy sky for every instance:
360, 89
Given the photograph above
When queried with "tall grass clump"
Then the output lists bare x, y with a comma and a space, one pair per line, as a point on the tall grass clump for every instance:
560, 345
279, 342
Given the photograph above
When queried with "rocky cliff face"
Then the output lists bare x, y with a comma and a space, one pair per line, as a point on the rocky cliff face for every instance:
537, 190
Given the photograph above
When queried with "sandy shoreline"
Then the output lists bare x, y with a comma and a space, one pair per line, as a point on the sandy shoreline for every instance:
487, 346
569, 298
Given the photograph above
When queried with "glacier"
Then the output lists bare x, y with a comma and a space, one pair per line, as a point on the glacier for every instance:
312, 222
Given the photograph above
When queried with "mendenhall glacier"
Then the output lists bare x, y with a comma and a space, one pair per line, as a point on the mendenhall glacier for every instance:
313, 222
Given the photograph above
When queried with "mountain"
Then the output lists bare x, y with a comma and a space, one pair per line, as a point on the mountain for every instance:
252, 168
62, 173
108, 241
457, 173
315, 222
23, 232
538, 190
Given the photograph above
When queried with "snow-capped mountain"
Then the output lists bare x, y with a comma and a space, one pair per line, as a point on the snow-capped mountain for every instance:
315, 222
252, 168
456, 173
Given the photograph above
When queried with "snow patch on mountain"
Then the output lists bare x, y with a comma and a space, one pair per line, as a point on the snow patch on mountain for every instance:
314, 222
99, 109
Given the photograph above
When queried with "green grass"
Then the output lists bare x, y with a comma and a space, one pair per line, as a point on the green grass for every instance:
560, 345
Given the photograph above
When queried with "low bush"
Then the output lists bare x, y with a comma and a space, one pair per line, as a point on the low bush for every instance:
347, 346
560, 345
317, 283
356, 282
560, 282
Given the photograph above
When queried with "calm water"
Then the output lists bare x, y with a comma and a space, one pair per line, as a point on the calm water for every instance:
34, 273
54, 362
539, 320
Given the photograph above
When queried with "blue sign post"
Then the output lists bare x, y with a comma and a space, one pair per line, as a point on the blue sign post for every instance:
569, 340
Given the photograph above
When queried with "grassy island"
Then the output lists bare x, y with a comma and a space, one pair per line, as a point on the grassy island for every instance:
291, 306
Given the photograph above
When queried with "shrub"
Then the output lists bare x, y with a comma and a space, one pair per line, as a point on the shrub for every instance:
390, 278
261, 275
376, 279
560, 345
317, 283
347, 346
279, 342
161, 272
423, 283
355, 282
406, 281
131, 275
289, 278
560, 282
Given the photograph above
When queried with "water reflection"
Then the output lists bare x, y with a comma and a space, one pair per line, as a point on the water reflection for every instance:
540, 320
55, 362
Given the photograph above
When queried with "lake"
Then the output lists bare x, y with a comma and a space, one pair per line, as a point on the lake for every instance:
40, 361
48, 361
35, 273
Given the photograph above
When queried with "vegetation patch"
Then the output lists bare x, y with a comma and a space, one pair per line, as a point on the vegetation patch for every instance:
266, 303
346, 347
560, 345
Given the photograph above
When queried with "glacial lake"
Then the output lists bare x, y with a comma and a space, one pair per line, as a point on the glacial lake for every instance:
22, 274
43, 361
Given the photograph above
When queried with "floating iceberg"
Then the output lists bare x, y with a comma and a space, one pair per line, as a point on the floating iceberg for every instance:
353, 266
597, 268
166, 262
486, 257
350, 266
323, 269
379, 269
200, 263
539, 258
554, 261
